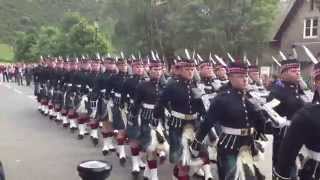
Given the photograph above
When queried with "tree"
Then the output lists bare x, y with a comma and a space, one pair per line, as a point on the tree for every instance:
75, 36
85, 38
25, 46
48, 41
204, 25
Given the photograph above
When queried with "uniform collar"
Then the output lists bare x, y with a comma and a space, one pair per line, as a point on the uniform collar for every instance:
236, 91
290, 84
122, 73
206, 79
184, 81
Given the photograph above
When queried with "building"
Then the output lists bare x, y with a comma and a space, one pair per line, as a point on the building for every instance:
298, 24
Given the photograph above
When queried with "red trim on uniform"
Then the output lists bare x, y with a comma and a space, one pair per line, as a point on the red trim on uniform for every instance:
237, 70
289, 66
187, 64
151, 65
205, 64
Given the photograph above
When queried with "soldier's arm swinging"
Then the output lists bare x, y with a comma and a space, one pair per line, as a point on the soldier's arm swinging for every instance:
297, 134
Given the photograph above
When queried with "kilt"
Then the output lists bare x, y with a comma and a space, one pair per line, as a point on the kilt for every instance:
117, 122
237, 165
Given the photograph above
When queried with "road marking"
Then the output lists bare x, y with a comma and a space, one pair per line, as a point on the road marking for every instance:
32, 97
17, 91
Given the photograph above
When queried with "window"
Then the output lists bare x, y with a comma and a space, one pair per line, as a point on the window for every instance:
310, 28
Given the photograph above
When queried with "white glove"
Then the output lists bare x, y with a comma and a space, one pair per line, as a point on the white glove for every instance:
280, 122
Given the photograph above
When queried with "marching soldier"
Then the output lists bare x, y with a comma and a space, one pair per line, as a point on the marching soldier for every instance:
51, 85
115, 84
146, 96
289, 93
82, 83
66, 90
105, 104
182, 99
70, 97
254, 78
36, 79
241, 124
306, 121
127, 95
58, 91
94, 90
208, 84
221, 73
45, 74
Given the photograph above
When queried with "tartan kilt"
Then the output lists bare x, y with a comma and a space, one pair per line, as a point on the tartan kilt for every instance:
237, 165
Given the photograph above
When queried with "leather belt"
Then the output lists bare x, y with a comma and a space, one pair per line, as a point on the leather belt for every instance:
148, 106
184, 116
238, 132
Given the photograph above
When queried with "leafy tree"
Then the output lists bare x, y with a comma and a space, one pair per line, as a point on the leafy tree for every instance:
25, 43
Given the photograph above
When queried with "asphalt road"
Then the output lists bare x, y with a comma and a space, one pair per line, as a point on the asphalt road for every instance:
34, 148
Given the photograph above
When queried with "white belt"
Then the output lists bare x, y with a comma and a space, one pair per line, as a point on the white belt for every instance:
184, 116
148, 106
237, 132
118, 95
313, 154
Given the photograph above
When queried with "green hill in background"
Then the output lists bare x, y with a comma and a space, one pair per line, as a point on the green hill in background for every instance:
6, 53
26, 15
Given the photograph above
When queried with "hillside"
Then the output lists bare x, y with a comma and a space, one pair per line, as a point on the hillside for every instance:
6, 53
25, 15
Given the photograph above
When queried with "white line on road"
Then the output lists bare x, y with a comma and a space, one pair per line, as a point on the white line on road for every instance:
17, 91
7, 86
31, 96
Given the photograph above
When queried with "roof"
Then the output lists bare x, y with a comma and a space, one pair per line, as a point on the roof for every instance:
287, 10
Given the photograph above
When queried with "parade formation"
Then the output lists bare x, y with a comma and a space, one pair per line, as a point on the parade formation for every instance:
192, 111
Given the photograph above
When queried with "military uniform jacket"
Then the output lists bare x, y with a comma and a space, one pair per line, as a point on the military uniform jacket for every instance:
183, 97
115, 84
289, 96
147, 92
316, 98
129, 88
232, 110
